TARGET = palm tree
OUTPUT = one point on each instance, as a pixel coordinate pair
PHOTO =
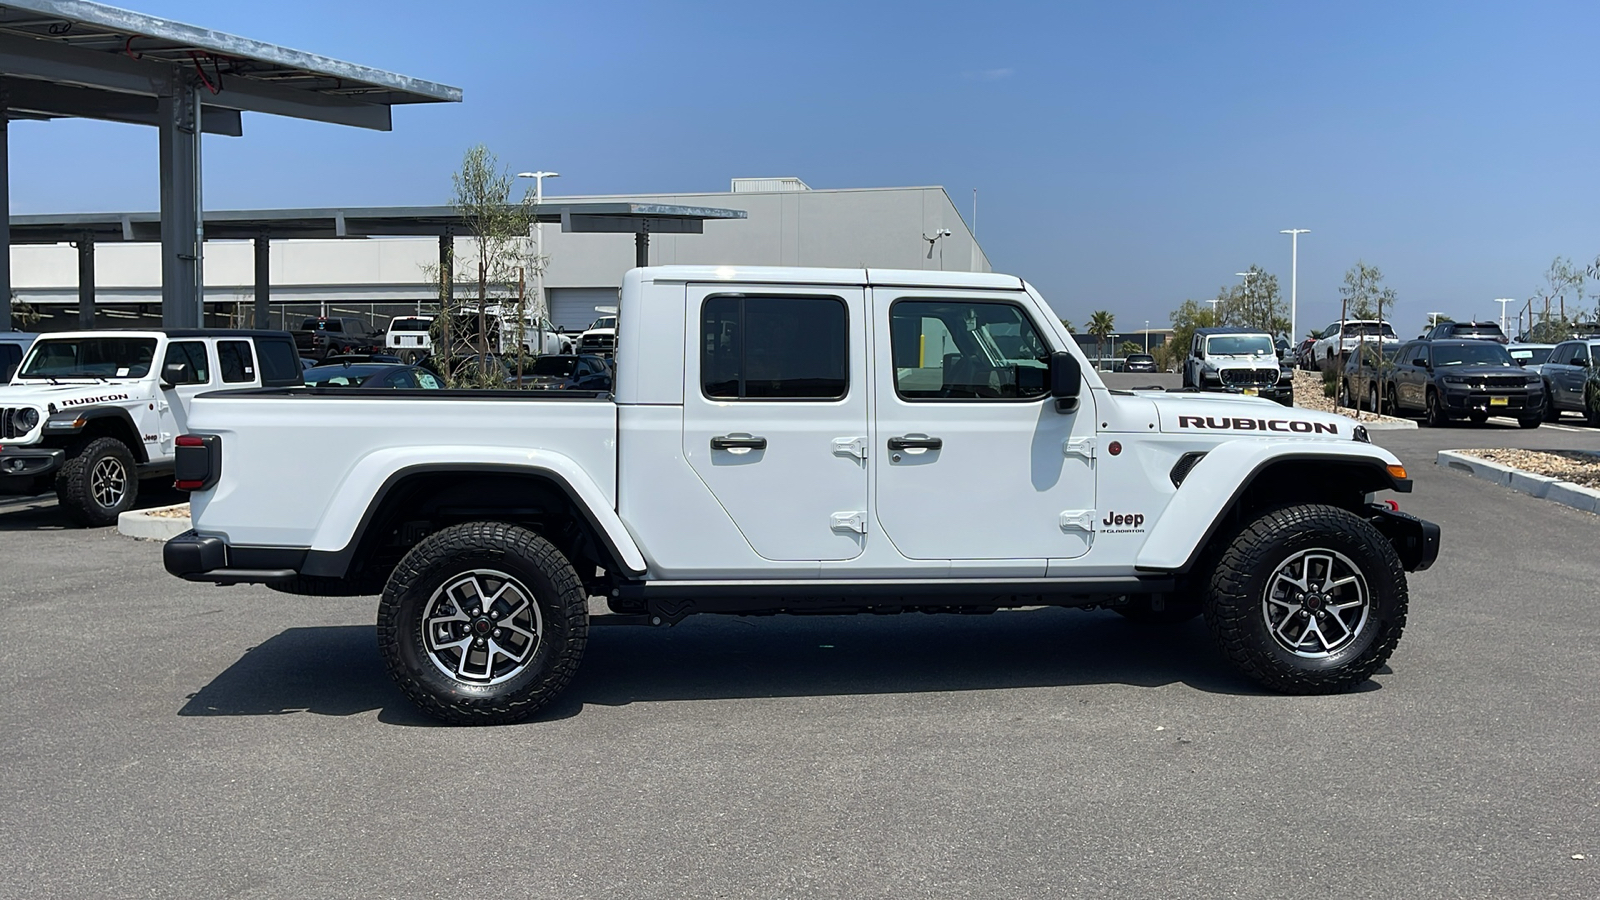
(1101, 324)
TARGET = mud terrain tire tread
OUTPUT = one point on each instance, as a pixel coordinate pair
(549, 577)
(1233, 601)
(76, 497)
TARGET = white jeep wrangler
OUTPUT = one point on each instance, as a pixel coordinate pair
(91, 412)
(804, 441)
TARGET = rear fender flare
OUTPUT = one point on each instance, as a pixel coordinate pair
(362, 492)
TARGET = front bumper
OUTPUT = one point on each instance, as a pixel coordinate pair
(1415, 540)
(1492, 402)
(30, 462)
(195, 557)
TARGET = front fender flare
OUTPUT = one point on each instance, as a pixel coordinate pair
(1216, 483)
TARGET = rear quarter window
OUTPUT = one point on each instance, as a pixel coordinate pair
(280, 362)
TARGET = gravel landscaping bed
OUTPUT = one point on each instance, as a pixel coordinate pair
(181, 511)
(1308, 395)
(1575, 466)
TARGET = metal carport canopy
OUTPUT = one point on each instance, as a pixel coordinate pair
(262, 225)
(76, 59)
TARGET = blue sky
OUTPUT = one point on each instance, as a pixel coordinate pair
(1128, 155)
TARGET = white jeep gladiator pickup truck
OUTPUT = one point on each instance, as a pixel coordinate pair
(804, 441)
(91, 412)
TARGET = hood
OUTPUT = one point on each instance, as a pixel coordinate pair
(66, 396)
(1478, 371)
(1237, 414)
(1242, 360)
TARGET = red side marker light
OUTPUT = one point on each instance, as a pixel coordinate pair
(1114, 448)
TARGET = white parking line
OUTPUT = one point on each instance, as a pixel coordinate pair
(1508, 421)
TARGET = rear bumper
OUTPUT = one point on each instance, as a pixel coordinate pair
(205, 558)
(30, 462)
(1415, 540)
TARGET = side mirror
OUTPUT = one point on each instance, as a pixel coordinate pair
(1066, 380)
(173, 374)
(1420, 362)
(561, 329)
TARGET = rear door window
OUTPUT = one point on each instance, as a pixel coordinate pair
(236, 362)
(774, 348)
(192, 353)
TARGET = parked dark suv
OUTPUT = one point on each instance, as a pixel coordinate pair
(1472, 379)
(1573, 380)
(1466, 331)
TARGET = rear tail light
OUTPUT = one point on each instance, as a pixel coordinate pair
(198, 462)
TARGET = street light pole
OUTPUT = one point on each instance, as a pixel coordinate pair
(1503, 301)
(1146, 335)
(1294, 278)
(1433, 318)
(1245, 295)
(539, 306)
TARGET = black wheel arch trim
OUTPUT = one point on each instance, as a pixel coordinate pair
(337, 563)
(94, 413)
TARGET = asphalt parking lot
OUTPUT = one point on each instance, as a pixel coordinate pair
(169, 739)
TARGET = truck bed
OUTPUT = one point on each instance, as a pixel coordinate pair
(297, 496)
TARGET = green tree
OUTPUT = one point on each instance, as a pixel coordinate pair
(1256, 303)
(1129, 348)
(1101, 325)
(1067, 324)
(1563, 281)
(1363, 293)
(491, 271)
(1185, 319)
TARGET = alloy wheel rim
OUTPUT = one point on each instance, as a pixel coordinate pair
(1316, 603)
(482, 627)
(108, 482)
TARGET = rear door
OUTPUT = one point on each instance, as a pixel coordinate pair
(973, 461)
(174, 404)
(775, 414)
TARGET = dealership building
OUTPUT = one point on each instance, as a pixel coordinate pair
(785, 223)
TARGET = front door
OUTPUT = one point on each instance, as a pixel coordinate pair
(775, 414)
(973, 460)
(174, 402)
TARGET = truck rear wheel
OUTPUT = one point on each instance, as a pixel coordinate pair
(483, 623)
(1308, 600)
(98, 483)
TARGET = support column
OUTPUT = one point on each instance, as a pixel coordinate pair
(641, 249)
(5, 211)
(85, 281)
(263, 317)
(182, 234)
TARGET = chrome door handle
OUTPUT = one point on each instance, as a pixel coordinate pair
(738, 442)
(910, 442)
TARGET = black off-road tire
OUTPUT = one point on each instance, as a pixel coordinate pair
(1175, 610)
(83, 481)
(537, 568)
(1344, 398)
(1236, 599)
(1394, 401)
(1533, 422)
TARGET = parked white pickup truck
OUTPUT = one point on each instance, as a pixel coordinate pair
(90, 412)
(804, 440)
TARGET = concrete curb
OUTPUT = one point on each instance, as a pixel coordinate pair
(139, 523)
(1543, 486)
(1396, 425)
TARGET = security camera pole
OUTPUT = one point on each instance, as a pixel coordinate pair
(937, 236)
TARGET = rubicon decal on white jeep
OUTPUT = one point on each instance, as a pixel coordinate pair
(1294, 426)
(90, 401)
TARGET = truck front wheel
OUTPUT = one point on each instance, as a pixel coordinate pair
(98, 483)
(483, 623)
(1308, 600)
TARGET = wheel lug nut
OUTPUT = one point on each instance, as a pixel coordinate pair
(497, 632)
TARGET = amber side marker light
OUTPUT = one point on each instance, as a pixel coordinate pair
(1397, 471)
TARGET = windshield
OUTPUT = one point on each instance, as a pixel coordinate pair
(605, 322)
(408, 324)
(1477, 331)
(1240, 345)
(90, 357)
(1368, 329)
(1477, 354)
(1531, 356)
(559, 366)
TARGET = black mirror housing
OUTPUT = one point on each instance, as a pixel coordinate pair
(175, 373)
(1066, 380)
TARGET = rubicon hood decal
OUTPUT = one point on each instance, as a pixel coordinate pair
(90, 401)
(1238, 423)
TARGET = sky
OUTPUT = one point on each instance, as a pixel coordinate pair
(1127, 155)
